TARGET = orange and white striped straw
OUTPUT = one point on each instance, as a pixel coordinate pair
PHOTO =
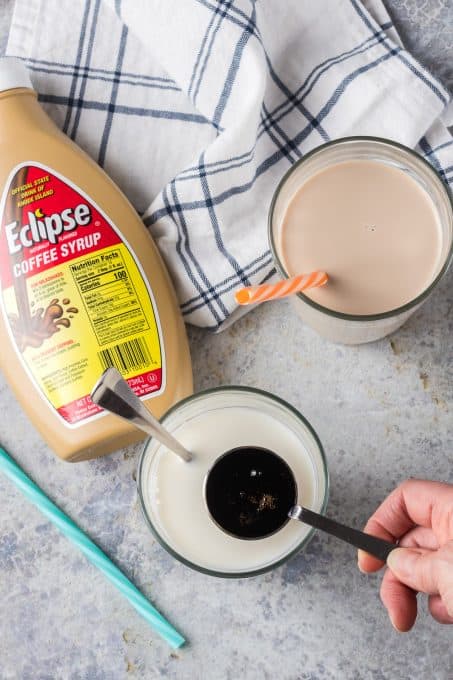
(281, 289)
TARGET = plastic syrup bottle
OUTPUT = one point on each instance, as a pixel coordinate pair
(83, 286)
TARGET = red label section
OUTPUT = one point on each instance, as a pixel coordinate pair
(83, 408)
(69, 323)
(47, 223)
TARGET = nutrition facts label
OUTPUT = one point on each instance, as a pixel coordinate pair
(109, 297)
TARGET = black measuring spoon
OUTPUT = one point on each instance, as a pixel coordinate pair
(248, 492)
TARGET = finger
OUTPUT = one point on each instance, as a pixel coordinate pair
(419, 537)
(429, 571)
(367, 563)
(400, 602)
(389, 522)
(438, 609)
(414, 502)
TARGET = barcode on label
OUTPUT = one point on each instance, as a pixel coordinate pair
(126, 355)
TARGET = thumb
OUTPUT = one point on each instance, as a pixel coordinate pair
(428, 571)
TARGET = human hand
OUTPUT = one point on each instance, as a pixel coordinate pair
(419, 514)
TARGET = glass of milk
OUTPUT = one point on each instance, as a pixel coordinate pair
(173, 493)
(378, 219)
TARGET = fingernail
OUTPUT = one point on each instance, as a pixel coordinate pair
(392, 621)
(359, 552)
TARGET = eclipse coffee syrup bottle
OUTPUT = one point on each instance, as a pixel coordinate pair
(83, 286)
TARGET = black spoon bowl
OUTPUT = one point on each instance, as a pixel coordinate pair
(248, 492)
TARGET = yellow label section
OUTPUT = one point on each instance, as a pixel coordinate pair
(87, 314)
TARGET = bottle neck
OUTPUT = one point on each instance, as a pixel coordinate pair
(19, 108)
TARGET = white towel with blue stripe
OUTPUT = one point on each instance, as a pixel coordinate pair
(196, 108)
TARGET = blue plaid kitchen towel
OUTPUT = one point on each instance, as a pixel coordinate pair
(196, 108)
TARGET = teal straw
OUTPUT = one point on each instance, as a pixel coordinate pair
(90, 550)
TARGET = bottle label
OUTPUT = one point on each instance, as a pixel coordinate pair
(73, 295)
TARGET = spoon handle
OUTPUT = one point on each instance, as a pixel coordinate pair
(112, 393)
(370, 544)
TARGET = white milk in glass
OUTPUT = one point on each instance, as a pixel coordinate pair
(210, 424)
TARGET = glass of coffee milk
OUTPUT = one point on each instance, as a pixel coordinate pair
(225, 513)
(377, 218)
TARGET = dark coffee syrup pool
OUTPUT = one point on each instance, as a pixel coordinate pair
(249, 492)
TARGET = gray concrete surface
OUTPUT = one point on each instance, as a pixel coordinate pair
(383, 413)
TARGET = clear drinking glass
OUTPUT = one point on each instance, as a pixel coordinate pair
(171, 491)
(350, 328)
